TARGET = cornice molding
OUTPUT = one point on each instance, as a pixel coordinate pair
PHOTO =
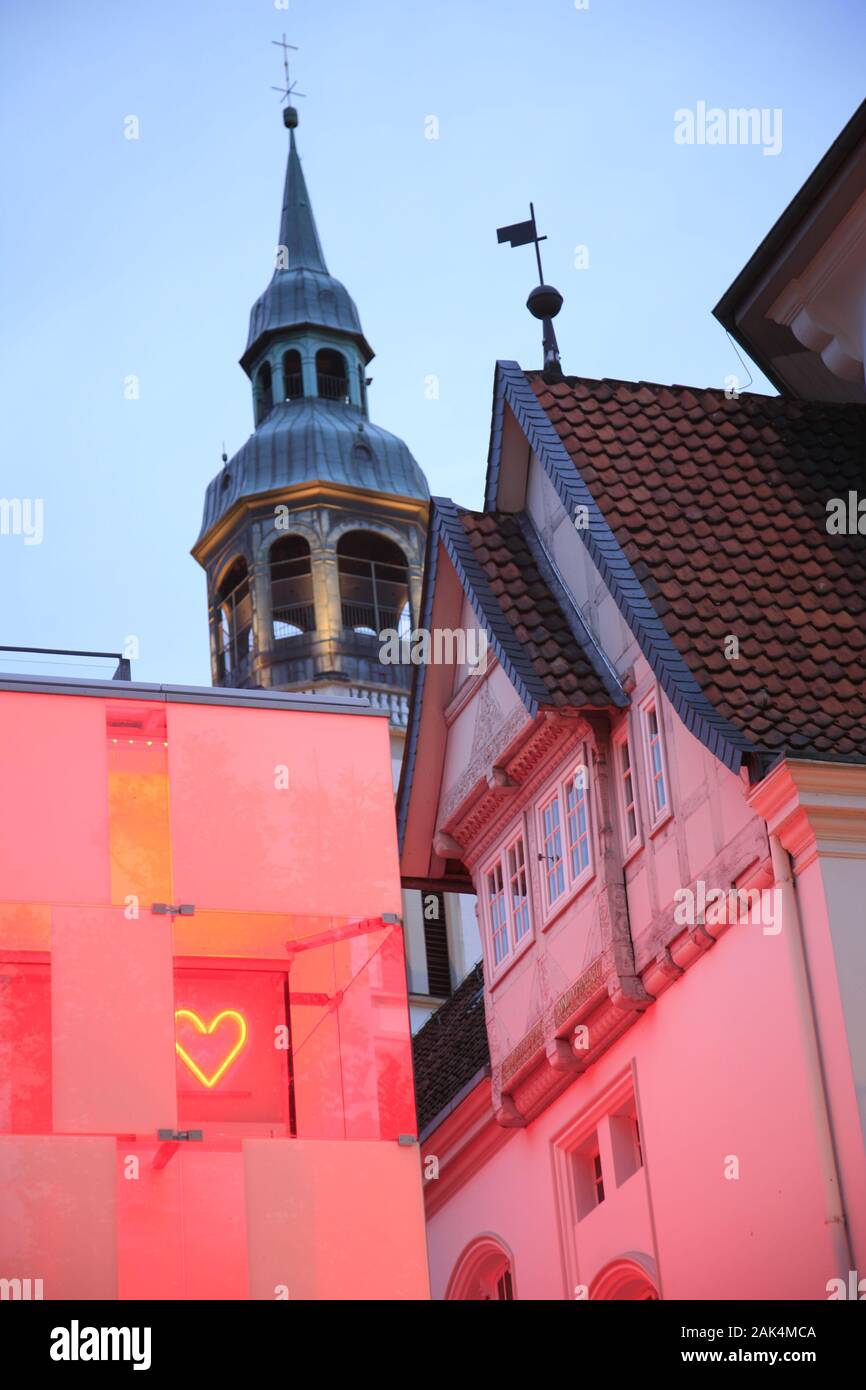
(307, 494)
(814, 808)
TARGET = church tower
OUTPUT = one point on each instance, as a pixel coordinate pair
(313, 534)
(313, 537)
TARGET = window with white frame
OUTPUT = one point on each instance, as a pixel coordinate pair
(551, 849)
(518, 891)
(577, 822)
(656, 762)
(507, 889)
(565, 835)
(627, 790)
(498, 913)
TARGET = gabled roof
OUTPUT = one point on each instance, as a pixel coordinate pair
(451, 1049)
(718, 508)
(533, 628)
(537, 634)
(818, 209)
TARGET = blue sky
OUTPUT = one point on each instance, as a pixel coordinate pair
(143, 257)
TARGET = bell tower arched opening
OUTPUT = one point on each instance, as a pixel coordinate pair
(292, 606)
(374, 585)
(234, 623)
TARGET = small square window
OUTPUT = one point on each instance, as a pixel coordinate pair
(597, 1179)
(625, 1141)
(589, 1176)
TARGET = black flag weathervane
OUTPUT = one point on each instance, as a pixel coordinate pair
(544, 301)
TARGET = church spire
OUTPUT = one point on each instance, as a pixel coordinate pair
(304, 306)
(298, 232)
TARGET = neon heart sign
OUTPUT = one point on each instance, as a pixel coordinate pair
(207, 1030)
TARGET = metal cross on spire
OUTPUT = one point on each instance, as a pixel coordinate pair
(289, 90)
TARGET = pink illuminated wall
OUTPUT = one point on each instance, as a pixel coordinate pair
(270, 1015)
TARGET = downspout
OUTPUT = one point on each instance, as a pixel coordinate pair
(627, 990)
(834, 1199)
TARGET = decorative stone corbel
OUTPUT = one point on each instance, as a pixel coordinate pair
(508, 1115)
(498, 777)
(667, 965)
(560, 1055)
(446, 846)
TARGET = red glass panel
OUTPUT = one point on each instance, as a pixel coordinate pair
(25, 1049)
(232, 1040)
(282, 811)
(59, 1215)
(53, 812)
(112, 1004)
(315, 1225)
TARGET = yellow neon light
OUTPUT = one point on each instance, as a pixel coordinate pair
(224, 1066)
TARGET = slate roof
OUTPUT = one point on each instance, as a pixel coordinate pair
(534, 614)
(303, 291)
(721, 506)
(314, 440)
(450, 1049)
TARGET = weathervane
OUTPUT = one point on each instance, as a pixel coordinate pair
(288, 91)
(544, 301)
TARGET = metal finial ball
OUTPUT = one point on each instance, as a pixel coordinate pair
(290, 117)
(544, 302)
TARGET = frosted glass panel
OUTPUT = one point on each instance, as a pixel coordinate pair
(54, 808)
(112, 1007)
(315, 1220)
(283, 811)
(59, 1214)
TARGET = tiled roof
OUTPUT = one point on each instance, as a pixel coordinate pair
(534, 614)
(451, 1048)
(721, 506)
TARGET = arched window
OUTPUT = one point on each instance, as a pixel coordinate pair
(331, 375)
(234, 618)
(484, 1273)
(630, 1279)
(264, 392)
(374, 584)
(291, 588)
(293, 375)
